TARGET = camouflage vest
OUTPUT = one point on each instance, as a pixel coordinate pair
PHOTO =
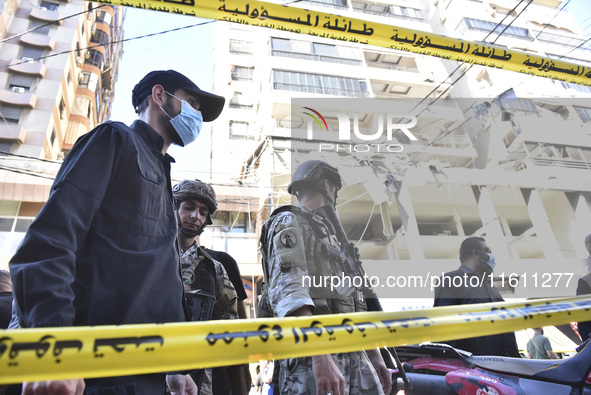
(325, 302)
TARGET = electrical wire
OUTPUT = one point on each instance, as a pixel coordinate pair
(113, 42)
(462, 63)
(472, 65)
(50, 23)
(551, 20)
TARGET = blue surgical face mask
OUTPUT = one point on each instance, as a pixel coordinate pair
(187, 123)
(490, 262)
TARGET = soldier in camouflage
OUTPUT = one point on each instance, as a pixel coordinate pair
(291, 246)
(210, 293)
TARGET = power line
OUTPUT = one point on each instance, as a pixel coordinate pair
(462, 63)
(555, 15)
(112, 42)
(50, 23)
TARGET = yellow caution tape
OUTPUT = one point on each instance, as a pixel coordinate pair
(321, 24)
(61, 353)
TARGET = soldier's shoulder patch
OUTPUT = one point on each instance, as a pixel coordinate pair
(288, 239)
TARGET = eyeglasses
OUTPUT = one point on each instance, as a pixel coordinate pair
(487, 250)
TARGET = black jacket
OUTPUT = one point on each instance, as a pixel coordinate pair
(503, 344)
(103, 248)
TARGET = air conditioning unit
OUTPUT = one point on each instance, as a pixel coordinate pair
(79, 61)
(26, 59)
(18, 89)
(80, 77)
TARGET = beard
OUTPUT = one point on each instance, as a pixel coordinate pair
(171, 131)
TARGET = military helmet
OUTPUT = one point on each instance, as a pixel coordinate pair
(196, 189)
(311, 172)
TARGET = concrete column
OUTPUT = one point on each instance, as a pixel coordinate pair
(541, 223)
(458, 222)
(582, 224)
(388, 230)
(409, 221)
(495, 238)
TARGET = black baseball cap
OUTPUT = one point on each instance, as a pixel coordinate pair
(210, 105)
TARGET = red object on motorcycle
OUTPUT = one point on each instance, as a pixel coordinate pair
(480, 382)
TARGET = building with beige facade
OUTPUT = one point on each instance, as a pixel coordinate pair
(499, 154)
(58, 66)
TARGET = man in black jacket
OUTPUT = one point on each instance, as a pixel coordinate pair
(102, 251)
(469, 284)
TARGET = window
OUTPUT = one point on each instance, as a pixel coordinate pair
(316, 83)
(100, 37)
(48, 5)
(560, 39)
(20, 83)
(104, 17)
(584, 113)
(52, 138)
(241, 130)
(240, 73)
(242, 47)
(526, 105)
(406, 13)
(94, 58)
(42, 27)
(400, 89)
(62, 108)
(5, 147)
(299, 49)
(11, 114)
(486, 26)
(31, 53)
(280, 44)
(87, 80)
(83, 79)
(325, 49)
(577, 87)
(239, 100)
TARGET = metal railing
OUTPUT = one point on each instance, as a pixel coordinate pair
(388, 14)
(322, 3)
(393, 66)
(311, 56)
(570, 164)
(319, 90)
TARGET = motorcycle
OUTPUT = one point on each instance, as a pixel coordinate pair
(443, 370)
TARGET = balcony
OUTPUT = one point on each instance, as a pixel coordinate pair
(309, 56)
(38, 40)
(331, 4)
(319, 90)
(557, 162)
(30, 67)
(390, 15)
(45, 15)
(393, 66)
(12, 132)
(25, 99)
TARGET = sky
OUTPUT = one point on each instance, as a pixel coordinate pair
(190, 51)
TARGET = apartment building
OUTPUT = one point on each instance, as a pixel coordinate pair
(58, 67)
(499, 154)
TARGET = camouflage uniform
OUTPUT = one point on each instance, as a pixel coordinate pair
(291, 248)
(197, 265)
